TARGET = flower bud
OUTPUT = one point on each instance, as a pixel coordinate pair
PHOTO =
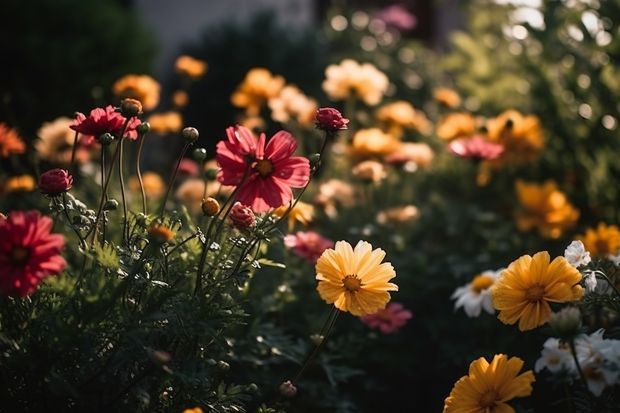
(210, 206)
(288, 389)
(315, 160)
(190, 134)
(131, 107)
(160, 233)
(566, 323)
(55, 182)
(222, 365)
(211, 174)
(199, 154)
(242, 216)
(330, 120)
(106, 139)
(110, 205)
(143, 128)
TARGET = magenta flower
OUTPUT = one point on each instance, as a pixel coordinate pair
(264, 172)
(309, 245)
(101, 121)
(55, 182)
(330, 120)
(389, 319)
(28, 252)
(475, 147)
(397, 16)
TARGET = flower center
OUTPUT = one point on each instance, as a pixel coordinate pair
(535, 293)
(602, 246)
(264, 167)
(489, 399)
(19, 255)
(352, 283)
(481, 282)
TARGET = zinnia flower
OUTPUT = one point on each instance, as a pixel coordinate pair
(101, 121)
(264, 171)
(475, 147)
(529, 284)
(55, 182)
(388, 320)
(355, 280)
(28, 252)
(602, 241)
(10, 142)
(309, 245)
(489, 386)
(476, 295)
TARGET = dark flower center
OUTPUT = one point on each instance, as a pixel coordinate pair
(352, 283)
(264, 167)
(19, 255)
(535, 293)
(489, 399)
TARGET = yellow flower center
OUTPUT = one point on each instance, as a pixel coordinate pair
(19, 255)
(481, 282)
(264, 167)
(535, 293)
(352, 283)
(488, 399)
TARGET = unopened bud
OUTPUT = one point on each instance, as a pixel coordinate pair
(106, 139)
(110, 205)
(199, 154)
(566, 323)
(288, 389)
(131, 107)
(143, 128)
(210, 206)
(190, 134)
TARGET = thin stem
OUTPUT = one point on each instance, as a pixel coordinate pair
(73, 153)
(122, 185)
(139, 174)
(609, 282)
(174, 176)
(582, 376)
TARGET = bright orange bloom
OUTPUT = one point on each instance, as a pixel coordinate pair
(141, 87)
(455, 125)
(258, 86)
(601, 241)
(166, 122)
(447, 97)
(373, 142)
(191, 67)
(18, 183)
(401, 115)
(520, 135)
(10, 142)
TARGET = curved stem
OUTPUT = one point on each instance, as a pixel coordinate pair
(172, 179)
(139, 174)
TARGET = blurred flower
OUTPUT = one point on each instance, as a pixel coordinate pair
(576, 254)
(455, 125)
(10, 141)
(417, 153)
(55, 182)
(330, 120)
(599, 359)
(401, 115)
(388, 320)
(189, 167)
(529, 284)
(602, 241)
(566, 323)
(258, 86)
(489, 386)
(544, 207)
(355, 280)
(192, 191)
(333, 194)
(447, 97)
(398, 215)
(370, 171)
(29, 252)
(242, 216)
(287, 389)
(351, 78)
(191, 67)
(520, 135)
(475, 147)
(291, 103)
(476, 295)
(160, 233)
(180, 98)
(141, 87)
(165, 122)
(373, 142)
(301, 212)
(154, 186)
(55, 142)
(555, 357)
(101, 121)
(308, 244)
(19, 183)
(397, 16)
(193, 410)
(263, 172)
(130, 107)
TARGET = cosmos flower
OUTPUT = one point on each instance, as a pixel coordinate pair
(141, 87)
(258, 86)
(308, 244)
(350, 78)
(475, 147)
(602, 241)
(476, 295)
(101, 121)
(388, 320)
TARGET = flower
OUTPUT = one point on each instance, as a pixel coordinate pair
(141, 87)
(351, 78)
(476, 295)
(410, 155)
(489, 386)
(153, 183)
(55, 182)
(55, 142)
(529, 284)
(599, 359)
(29, 252)
(369, 171)
(258, 86)
(301, 212)
(398, 17)
(193, 410)
(330, 120)
(544, 207)
(401, 115)
(447, 97)
(166, 122)
(242, 216)
(335, 193)
(101, 121)
(602, 241)
(291, 103)
(180, 99)
(555, 357)
(309, 245)
(10, 141)
(455, 125)
(190, 67)
(388, 320)
(263, 172)
(576, 254)
(355, 280)
(19, 183)
(475, 147)
(520, 135)
(373, 142)
(160, 233)
(398, 215)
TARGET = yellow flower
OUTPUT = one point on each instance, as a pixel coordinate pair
(521, 136)
(355, 280)
(370, 171)
(455, 125)
(19, 183)
(373, 142)
(447, 97)
(351, 78)
(398, 215)
(302, 212)
(489, 386)
(165, 122)
(293, 103)
(258, 86)
(191, 67)
(546, 208)
(141, 87)
(601, 241)
(524, 290)
(401, 115)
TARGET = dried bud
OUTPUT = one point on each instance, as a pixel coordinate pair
(330, 120)
(242, 216)
(190, 134)
(210, 206)
(131, 107)
(566, 323)
(55, 182)
(288, 389)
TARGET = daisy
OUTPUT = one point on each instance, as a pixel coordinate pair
(529, 284)
(355, 280)
(263, 172)
(476, 295)
(489, 386)
(577, 255)
(555, 357)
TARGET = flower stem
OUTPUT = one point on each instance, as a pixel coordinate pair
(139, 174)
(172, 179)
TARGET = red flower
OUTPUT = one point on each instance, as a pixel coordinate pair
(309, 245)
(330, 120)
(242, 216)
(28, 252)
(101, 121)
(475, 147)
(388, 320)
(263, 172)
(55, 182)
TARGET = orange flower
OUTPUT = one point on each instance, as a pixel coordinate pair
(302, 212)
(401, 115)
(191, 67)
(154, 186)
(370, 171)
(19, 183)
(447, 97)
(455, 125)
(350, 78)
(140, 87)
(10, 142)
(373, 142)
(544, 207)
(601, 241)
(420, 154)
(55, 142)
(258, 86)
(293, 103)
(520, 135)
(180, 98)
(166, 122)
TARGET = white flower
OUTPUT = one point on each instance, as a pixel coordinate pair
(576, 254)
(599, 360)
(555, 357)
(589, 279)
(476, 295)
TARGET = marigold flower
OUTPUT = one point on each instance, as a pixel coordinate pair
(388, 320)
(455, 125)
(191, 67)
(166, 122)
(101, 121)
(308, 244)
(355, 280)
(264, 172)
(362, 80)
(258, 86)
(141, 87)
(19, 183)
(602, 241)
(242, 216)
(520, 135)
(489, 386)
(330, 120)
(475, 147)
(529, 284)
(292, 103)
(476, 295)
(29, 252)
(55, 182)
(447, 97)
(55, 143)
(10, 141)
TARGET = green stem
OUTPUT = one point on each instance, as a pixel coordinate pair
(139, 174)
(173, 178)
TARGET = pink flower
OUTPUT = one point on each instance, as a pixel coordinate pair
(398, 17)
(475, 147)
(189, 167)
(28, 252)
(55, 182)
(309, 245)
(242, 216)
(330, 120)
(388, 320)
(101, 121)
(264, 172)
